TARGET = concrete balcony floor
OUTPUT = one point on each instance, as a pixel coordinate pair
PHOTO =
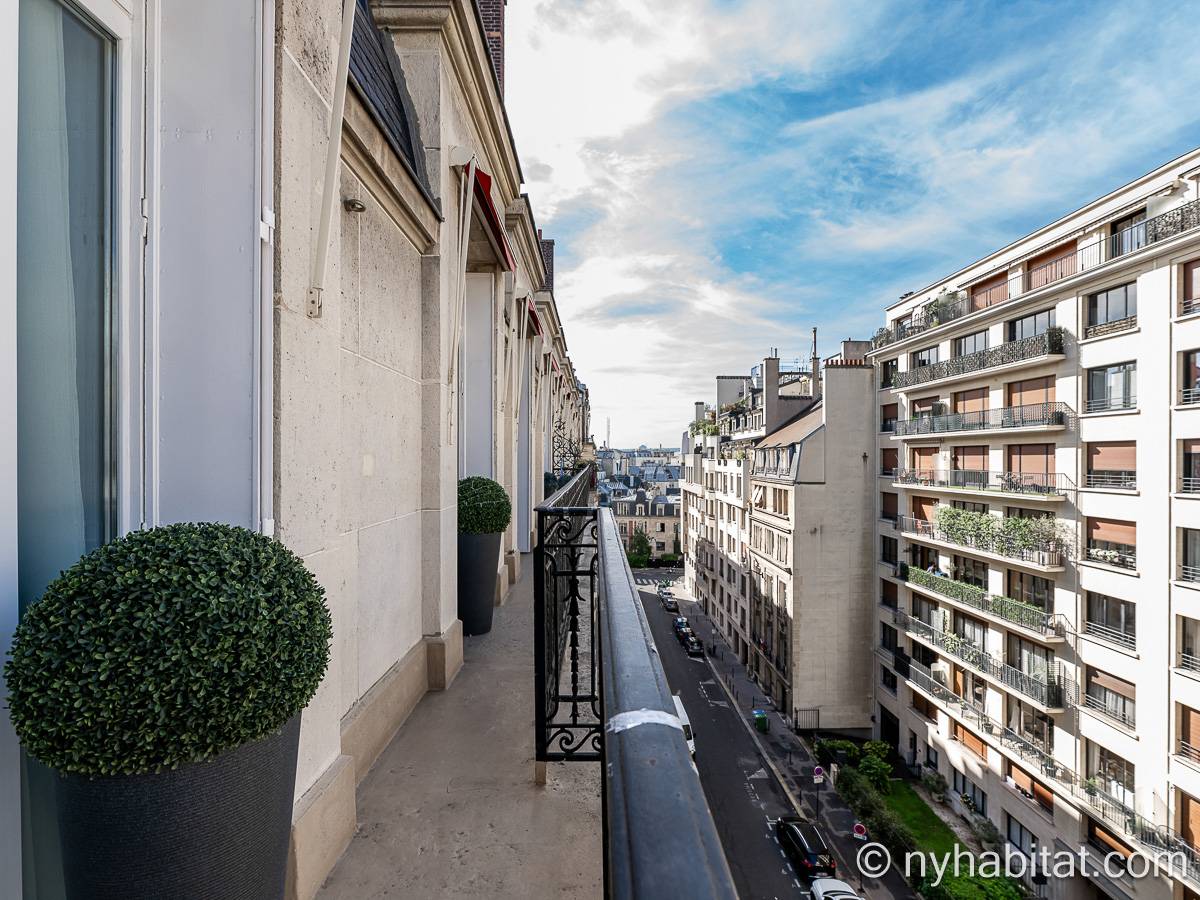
(450, 809)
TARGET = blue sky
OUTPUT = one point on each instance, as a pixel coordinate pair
(723, 175)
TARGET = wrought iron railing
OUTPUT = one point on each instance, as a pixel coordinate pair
(1028, 483)
(953, 306)
(1015, 611)
(1053, 691)
(1049, 342)
(1113, 327)
(1048, 554)
(1126, 639)
(602, 696)
(1125, 481)
(1029, 416)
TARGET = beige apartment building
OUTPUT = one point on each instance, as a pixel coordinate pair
(1038, 539)
(777, 513)
(654, 515)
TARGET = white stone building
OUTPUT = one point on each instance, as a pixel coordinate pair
(1038, 533)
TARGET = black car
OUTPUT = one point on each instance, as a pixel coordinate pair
(805, 847)
(693, 647)
(685, 634)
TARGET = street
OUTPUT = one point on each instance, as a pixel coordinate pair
(744, 796)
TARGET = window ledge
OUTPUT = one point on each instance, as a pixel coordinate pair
(1189, 585)
(1101, 413)
(1120, 492)
(1185, 495)
(1108, 337)
(1110, 645)
(1180, 407)
(1113, 723)
(1104, 567)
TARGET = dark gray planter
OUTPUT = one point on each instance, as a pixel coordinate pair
(478, 562)
(216, 830)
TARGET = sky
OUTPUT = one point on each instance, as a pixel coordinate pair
(721, 176)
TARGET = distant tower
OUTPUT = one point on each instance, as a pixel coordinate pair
(815, 363)
(607, 431)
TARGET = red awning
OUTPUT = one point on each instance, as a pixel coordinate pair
(483, 193)
(533, 316)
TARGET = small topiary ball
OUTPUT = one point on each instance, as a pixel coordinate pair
(483, 507)
(164, 647)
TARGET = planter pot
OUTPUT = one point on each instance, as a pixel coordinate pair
(217, 829)
(478, 561)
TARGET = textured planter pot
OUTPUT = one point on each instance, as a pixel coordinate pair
(217, 829)
(478, 562)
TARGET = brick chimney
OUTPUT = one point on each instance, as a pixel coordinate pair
(547, 245)
(492, 14)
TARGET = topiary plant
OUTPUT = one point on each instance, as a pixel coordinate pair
(164, 647)
(483, 507)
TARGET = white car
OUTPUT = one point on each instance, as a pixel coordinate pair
(832, 889)
(687, 725)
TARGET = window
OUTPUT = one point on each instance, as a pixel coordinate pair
(1112, 464)
(1190, 378)
(889, 507)
(888, 679)
(1034, 790)
(970, 630)
(921, 358)
(971, 343)
(887, 636)
(1032, 725)
(1112, 310)
(1114, 774)
(969, 793)
(924, 610)
(1020, 836)
(1110, 619)
(1110, 696)
(1191, 466)
(1189, 569)
(970, 506)
(659, 546)
(931, 757)
(1112, 542)
(1112, 387)
(1032, 659)
(1031, 589)
(888, 370)
(1189, 644)
(924, 706)
(888, 594)
(1191, 287)
(1031, 325)
(1127, 234)
(971, 571)
(888, 413)
(888, 552)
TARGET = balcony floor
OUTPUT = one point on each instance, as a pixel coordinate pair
(450, 809)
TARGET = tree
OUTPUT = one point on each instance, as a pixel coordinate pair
(639, 550)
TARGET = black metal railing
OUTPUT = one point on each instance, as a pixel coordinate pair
(1111, 635)
(1047, 343)
(1029, 416)
(1013, 611)
(602, 696)
(954, 305)
(1111, 556)
(1035, 484)
(1042, 553)
(1111, 403)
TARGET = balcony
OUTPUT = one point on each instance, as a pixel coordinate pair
(1126, 639)
(1042, 416)
(1114, 327)
(1111, 403)
(955, 305)
(1028, 485)
(1189, 396)
(1046, 555)
(1189, 661)
(1112, 481)
(1014, 612)
(1006, 355)
(1189, 484)
(1110, 706)
(1051, 692)
(1123, 557)
(1189, 573)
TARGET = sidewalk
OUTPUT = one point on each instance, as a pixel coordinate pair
(791, 760)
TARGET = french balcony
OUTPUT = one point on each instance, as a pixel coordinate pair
(942, 311)
(1036, 486)
(1110, 403)
(1116, 636)
(1189, 662)
(1116, 326)
(1189, 396)
(1189, 573)
(1054, 690)
(1113, 707)
(1189, 484)
(1034, 416)
(1038, 348)
(1122, 556)
(1111, 481)
(1012, 612)
(1046, 555)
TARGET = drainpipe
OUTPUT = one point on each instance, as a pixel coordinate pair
(332, 155)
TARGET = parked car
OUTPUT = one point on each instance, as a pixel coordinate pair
(805, 847)
(832, 889)
(693, 646)
(680, 622)
(685, 634)
(688, 734)
(670, 604)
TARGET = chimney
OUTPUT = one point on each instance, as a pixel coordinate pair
(815, 369)
(770, 389)
(492, 13)
(547, 259)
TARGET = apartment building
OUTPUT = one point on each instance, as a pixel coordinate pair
(184, 348)
(1038, 533)
(654, 515)
(777, 512)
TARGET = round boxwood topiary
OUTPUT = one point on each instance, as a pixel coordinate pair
(164, 647)
(483, 507)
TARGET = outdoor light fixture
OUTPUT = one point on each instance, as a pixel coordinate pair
(351, 205)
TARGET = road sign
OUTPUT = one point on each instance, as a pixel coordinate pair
(860, 831)
(818, 775)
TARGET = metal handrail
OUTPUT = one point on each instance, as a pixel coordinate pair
(1111, 327)
(1189, 485)
(1053, 483)
(1189, 396)
(1028, 416)
(1126, 481)
(943, 311)
(1189, 573)
(1124, 713)
(1111, 403)
(1045, 554)
(1016, 612)
(1189, 661)
(1119, 558)
(1112, 635)
(1048, 343)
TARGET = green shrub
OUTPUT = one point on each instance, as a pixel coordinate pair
(828, 749)
(881, 749)
(164, 647)
(858, 793)
(877, 771)
(985, 829)
(883, 824)
(935, 782)
(886, 827)
(483, 507)
(639, 550)
(966, 887)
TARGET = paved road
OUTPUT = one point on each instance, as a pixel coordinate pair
(744, 796)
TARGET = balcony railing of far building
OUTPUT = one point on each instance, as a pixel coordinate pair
(1030, 484)
(1016, 612)
(1046, 553)
(602, 697)
(955, 305)
(1031, 415)
(1048, 343)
